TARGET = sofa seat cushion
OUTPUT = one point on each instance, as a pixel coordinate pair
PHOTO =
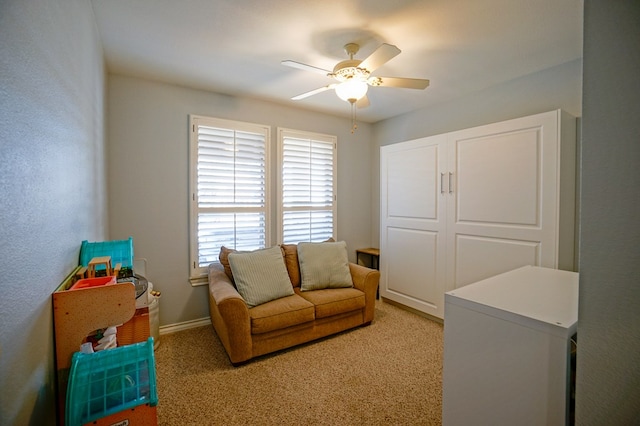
(281, 313)
(334, 301)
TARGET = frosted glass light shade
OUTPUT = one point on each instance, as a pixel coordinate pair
(351, 90)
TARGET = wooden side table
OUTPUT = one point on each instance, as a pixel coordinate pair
(374, 256)
(374, 260)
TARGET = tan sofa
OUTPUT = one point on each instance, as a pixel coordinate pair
(291, 320)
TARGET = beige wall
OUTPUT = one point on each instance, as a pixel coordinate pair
(52, 184)
(148, 176)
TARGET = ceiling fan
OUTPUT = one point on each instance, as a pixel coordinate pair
(353, 77)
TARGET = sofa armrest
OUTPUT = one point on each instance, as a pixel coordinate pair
(366, 280)
(220, 285)
(229, 315)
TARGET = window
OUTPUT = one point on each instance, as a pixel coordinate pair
(229, 187)
(307, 186)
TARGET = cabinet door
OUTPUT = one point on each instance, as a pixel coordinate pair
(502, 206)
(413, 223)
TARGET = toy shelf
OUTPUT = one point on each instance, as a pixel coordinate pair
(78, 313)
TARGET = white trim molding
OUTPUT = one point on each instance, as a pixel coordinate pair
(181, 326)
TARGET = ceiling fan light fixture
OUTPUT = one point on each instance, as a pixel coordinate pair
(352, 90)
(353, 76)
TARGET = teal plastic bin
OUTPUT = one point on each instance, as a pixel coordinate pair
(110, 381)
(121, 251)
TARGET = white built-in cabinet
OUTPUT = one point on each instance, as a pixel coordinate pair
(463, 206)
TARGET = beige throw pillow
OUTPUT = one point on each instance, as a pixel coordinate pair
(260, 275)
(324, 265)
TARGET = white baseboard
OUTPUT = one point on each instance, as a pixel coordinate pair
(174, 328)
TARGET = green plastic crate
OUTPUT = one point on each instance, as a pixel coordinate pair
(110, 381)
(121, 251)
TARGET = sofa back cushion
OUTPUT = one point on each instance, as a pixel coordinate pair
(261, 275)
(224, 261)
(324, 265)
(290, 253)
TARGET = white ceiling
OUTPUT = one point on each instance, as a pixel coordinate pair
(236, 46)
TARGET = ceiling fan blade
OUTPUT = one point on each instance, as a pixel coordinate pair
(379, 57)
(313, 92)
(363, 102)
(305, 67)
(407, 83)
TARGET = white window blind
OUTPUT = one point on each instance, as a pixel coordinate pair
(230, 189)
(307, 190)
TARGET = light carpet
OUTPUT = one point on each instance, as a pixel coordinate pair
(389, 373)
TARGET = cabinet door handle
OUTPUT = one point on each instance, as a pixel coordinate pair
(450, 179)
(442, 183)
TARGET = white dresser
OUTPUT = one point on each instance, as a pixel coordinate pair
(507, 349)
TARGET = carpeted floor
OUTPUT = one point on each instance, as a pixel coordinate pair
(389, 373)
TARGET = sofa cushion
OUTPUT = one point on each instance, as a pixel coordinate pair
(223, 257)
(324, 265)
(334, 301)
(260, 275)
(290, 253)
(224, 261)
(281, 313)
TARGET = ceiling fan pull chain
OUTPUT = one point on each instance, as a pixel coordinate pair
(353, 117)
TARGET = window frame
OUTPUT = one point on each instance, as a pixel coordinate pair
(198, 274)
(300, 134)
